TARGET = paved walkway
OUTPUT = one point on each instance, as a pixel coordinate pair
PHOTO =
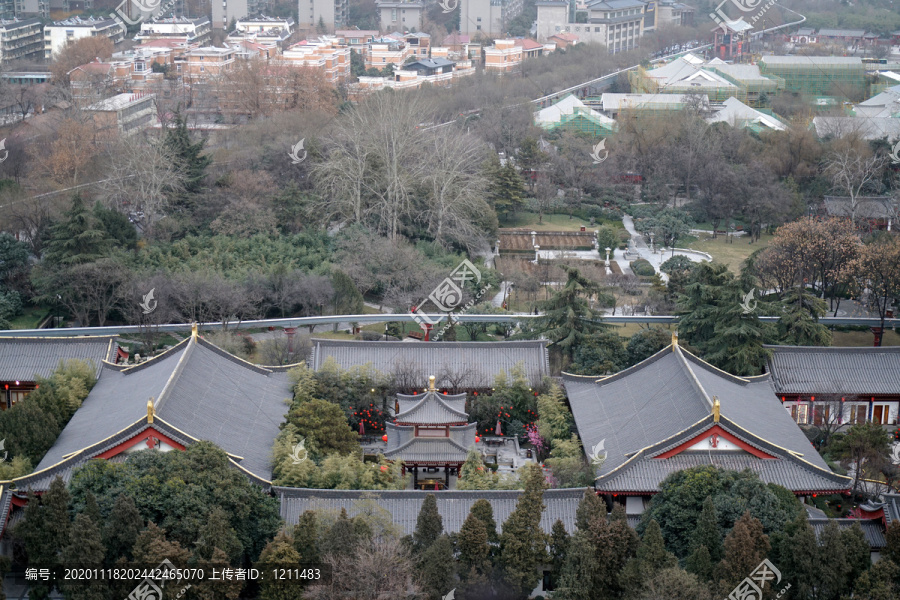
(655, 258)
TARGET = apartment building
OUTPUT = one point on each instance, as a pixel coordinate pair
(387, 51)
(21, 39)
(327, 54)
(264, 29)
(400, 15)
(223, 11)
(503, 57)
(207, 62)
(435, 71)
(329, 15)
(487, 17)
(190, 31)
(123, 114)
(60, 33)
(617, 24)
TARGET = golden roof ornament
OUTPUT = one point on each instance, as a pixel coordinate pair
(150, 411)
(716, 409)
(431, 384)
(674, 338)
(194, 331)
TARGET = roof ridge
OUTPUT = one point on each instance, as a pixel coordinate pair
(693, 376)
(176, 372)
(156, 359)
(236, 359)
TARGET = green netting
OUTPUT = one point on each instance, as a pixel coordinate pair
(818, 78)
(581, 120)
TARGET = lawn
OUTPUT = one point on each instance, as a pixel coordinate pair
(31, 318)
(732, 254)
(554, 222)
(864, 338)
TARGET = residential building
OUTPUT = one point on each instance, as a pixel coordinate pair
(60, 33)
(503, 57)
(123, 114)
(264, 30)
(326, 54)
(419, 44)
(356, 39)
(531, 48)
(674, 411)
(24, 360)
(25, 77)
(563, 40)
(488, 18)
(98, 80)
(178, 29)
(329, 15)
(403, 14)
(387, 51)
(459, 366)
(248, 48)
(617, 24)
(21, 39)
(837, 385)
(227, 10)
(209, 62)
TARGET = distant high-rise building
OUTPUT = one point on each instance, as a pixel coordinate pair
(326, 14)
(487, 17)
(225, 10)
(400, 15)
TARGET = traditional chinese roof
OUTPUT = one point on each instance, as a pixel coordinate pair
(457, 365)
(403, 506)
(662, 415)
(198, 392)
(837, 371)
(432, 408)
(872, 529)
(25, 358)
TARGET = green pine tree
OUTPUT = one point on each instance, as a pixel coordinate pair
(483, 510)
(77, 238)
(437, 568)
(279, 552)
(475, 566)
(652, 551)
(559, 545)
(857, 554)
(122, 528)
(429, 525)
(797, 554)
(341, 539)
(506, 189)
(567, 318)
(190, 161)
(590, 508)
(306, 537)
(85, 549)
(799, 324)
(708, 533)
(579, 571)
(523, 543)
(700, 563)
(92, 509)
(745, 547)
(217, 533)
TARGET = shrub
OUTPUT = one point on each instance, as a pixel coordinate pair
(642, 268)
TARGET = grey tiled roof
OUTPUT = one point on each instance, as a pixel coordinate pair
(819, 370)
(666, 400)
(891, 508)
(404, 505)
(404, 446)
(472, 364)
(21, 358)
(431, 409)
(871, 528)
(871, 207)
(199, 390)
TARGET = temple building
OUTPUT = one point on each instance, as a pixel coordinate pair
(431, 432)
(673, 411)
(25, 359)
(837, 386)
(193, 391)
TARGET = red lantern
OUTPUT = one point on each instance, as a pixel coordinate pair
(384, 438)
(477, 439)
(383, 468)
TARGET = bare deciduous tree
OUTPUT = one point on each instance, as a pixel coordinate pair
(854, 174)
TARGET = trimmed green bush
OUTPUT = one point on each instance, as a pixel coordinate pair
(642, 268)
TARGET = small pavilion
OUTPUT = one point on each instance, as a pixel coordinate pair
(430, 431)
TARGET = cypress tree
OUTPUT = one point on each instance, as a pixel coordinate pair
(429, 525)
(92, 509)
(700, 564)
(279, 552)
(523, 543)
(797, 553)
(483, 510)
(217, 533)
(652, 552)
(122, 528)
(45, 532)
(85, 549)
(745, 547)
(474, 550)
(857, 553)
(438, 569)
(580, 570)
(341, 539)
(834, 572)
(559, 545)
(306, 537)
(591, 507)
(708, 533)
(892, 537)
